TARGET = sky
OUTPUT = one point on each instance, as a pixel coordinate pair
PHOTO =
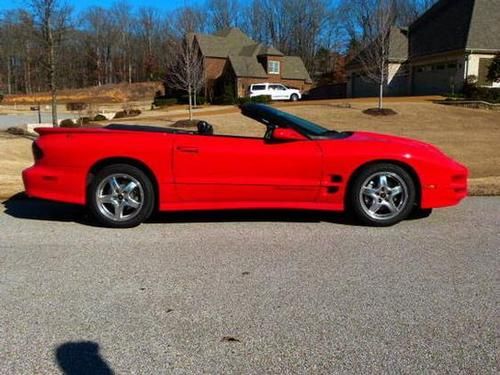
(83, 4)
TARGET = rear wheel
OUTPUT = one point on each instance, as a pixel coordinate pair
(121, 196)
(294, 97)
(382, 195)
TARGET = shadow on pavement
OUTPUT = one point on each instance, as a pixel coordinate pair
(22, 207)
(81, 358)
(298, 216)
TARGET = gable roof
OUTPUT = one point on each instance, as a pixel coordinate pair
(247, 66)
(294, 68)
(243, 53)
(398, 44)
(232, 41)
(456, 25)
(398, 48)
(484, 30)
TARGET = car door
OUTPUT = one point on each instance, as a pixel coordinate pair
(242, 169)
(283, 92)
(276, 92)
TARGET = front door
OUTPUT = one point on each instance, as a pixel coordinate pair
(240, 169)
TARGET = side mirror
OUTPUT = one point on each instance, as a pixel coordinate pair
(287, 134)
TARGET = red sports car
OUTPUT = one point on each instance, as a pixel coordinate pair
(124, 172)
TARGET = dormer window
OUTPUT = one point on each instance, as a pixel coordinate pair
(273, 67)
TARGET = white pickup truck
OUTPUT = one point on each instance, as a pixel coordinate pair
(276, 91)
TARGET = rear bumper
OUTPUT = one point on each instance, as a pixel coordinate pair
(58, 184)
(448, 190)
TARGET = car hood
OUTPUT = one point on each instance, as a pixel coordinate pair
(369, 137)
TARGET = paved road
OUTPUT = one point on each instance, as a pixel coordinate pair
(248, 293)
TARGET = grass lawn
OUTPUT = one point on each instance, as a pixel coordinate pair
(470, 136)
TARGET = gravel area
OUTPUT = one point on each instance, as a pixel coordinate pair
(248, 292)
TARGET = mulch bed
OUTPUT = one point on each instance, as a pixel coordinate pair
(380, 112)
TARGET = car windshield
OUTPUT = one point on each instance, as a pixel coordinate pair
(267, 114)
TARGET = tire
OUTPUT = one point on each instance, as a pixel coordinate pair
(382, 195)
(121, 196)
(294, 97)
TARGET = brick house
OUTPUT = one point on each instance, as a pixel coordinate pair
(230, 56)
(453, 41)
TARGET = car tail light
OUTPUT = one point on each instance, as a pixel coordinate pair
(37, 151)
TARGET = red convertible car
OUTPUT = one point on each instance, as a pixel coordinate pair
(122, 173)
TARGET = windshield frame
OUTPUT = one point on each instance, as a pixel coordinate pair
(270, 116)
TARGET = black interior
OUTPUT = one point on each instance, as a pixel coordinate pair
(203, 128)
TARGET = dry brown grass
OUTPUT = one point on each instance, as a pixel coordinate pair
(15, 155)
(116, 93)
(470, 136)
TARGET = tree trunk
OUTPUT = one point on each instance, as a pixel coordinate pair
(52, 73)
(9, 76)
(129, 72)
(381, 96)
(190, 104)
(381, 87)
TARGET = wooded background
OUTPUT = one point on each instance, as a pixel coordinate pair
(123, 43)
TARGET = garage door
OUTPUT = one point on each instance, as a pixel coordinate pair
(435, 80)
(362, 88)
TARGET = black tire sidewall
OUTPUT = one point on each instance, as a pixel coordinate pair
(355, 204)
(149, 195)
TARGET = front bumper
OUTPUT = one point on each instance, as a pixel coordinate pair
(448, 190)
(54, 183)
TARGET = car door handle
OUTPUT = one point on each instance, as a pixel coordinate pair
(191, 150)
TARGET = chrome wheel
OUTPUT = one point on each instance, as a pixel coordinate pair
(383, 195)
(119, 197)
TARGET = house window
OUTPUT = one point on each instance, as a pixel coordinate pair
(273, 67)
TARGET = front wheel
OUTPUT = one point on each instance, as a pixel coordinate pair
(121, 196)
(382, 195)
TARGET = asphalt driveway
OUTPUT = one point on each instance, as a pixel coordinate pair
(242, 292)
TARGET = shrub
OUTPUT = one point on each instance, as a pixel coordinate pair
(17, 131)
(228, 97)
(84, 120)
(1, 97)
(128, 113)
(162, 101)
(68, 123)
(265, 99)
(100, 118)
(76, 106)
(120, 114)
(487, 94)
(494, 69)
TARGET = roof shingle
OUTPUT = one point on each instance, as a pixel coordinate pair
(243, 53)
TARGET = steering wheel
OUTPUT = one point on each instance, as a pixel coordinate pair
(204, 128)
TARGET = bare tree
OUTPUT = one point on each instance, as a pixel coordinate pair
(186, 20)
(51, 20)
(357, 15)
(374, 56)
(224, 13)
(123, 23)
(186, 70)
